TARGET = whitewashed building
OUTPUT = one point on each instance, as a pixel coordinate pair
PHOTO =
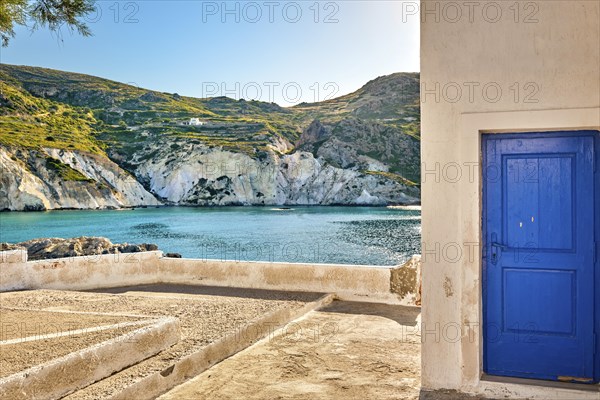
(510, 101)
(195, 122)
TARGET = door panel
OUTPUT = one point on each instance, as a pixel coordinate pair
(543, 284)
(539, 201)
(539, 266)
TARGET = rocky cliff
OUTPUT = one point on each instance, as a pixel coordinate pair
(197, 175)
(75, 141)
(49, 178)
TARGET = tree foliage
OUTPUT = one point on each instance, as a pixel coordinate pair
(53, 14)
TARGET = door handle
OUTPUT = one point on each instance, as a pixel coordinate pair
(500, 246)
(496, 248)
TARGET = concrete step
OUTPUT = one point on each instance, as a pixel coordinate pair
(84, 365)
(195, 353)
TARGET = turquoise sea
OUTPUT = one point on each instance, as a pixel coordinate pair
(347, 235)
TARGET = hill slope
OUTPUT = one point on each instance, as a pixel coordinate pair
(362, 148)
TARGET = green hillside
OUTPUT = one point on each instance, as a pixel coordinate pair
(30, 121)
(47, 108)
(391, 100)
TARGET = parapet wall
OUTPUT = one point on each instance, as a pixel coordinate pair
(78, 273)
(398, 285)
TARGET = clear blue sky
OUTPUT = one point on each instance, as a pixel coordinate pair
(197, 48)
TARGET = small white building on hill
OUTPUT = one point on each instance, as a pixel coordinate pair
(195, 122)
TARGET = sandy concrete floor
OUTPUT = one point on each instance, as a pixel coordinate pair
(206, 314)
(19, 357)
(20, 324)
(29, 337)
(344, 351)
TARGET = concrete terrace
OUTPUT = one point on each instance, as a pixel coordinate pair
(344, 350)
(106, 327)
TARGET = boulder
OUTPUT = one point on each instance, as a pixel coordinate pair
(44, 248)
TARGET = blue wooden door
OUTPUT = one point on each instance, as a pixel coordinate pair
(539, 259)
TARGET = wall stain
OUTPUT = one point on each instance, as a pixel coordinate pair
(448, 287)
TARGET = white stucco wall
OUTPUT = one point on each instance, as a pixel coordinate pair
(393, 285)
(534, 66)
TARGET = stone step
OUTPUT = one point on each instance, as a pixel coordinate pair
(196, 352)
(85, 365)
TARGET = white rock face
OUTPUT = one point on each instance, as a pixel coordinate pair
(197, 175)
(27, 183)
(189, 174)
(366, 198)
(208, 177)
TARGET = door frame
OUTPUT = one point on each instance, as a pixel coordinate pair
(468, 353)
(484, 137)
(597, 269)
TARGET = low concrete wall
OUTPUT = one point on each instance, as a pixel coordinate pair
(76, 370)
(349, 282)
(78, 273)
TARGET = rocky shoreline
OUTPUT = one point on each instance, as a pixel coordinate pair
(193, 175)
(49, 248)
(412, 206)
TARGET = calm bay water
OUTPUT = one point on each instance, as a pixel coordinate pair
(348, 235)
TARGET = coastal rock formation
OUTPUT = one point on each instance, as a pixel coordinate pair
(39, 249)
(197, 175)
(192, 175)
(51, 178)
